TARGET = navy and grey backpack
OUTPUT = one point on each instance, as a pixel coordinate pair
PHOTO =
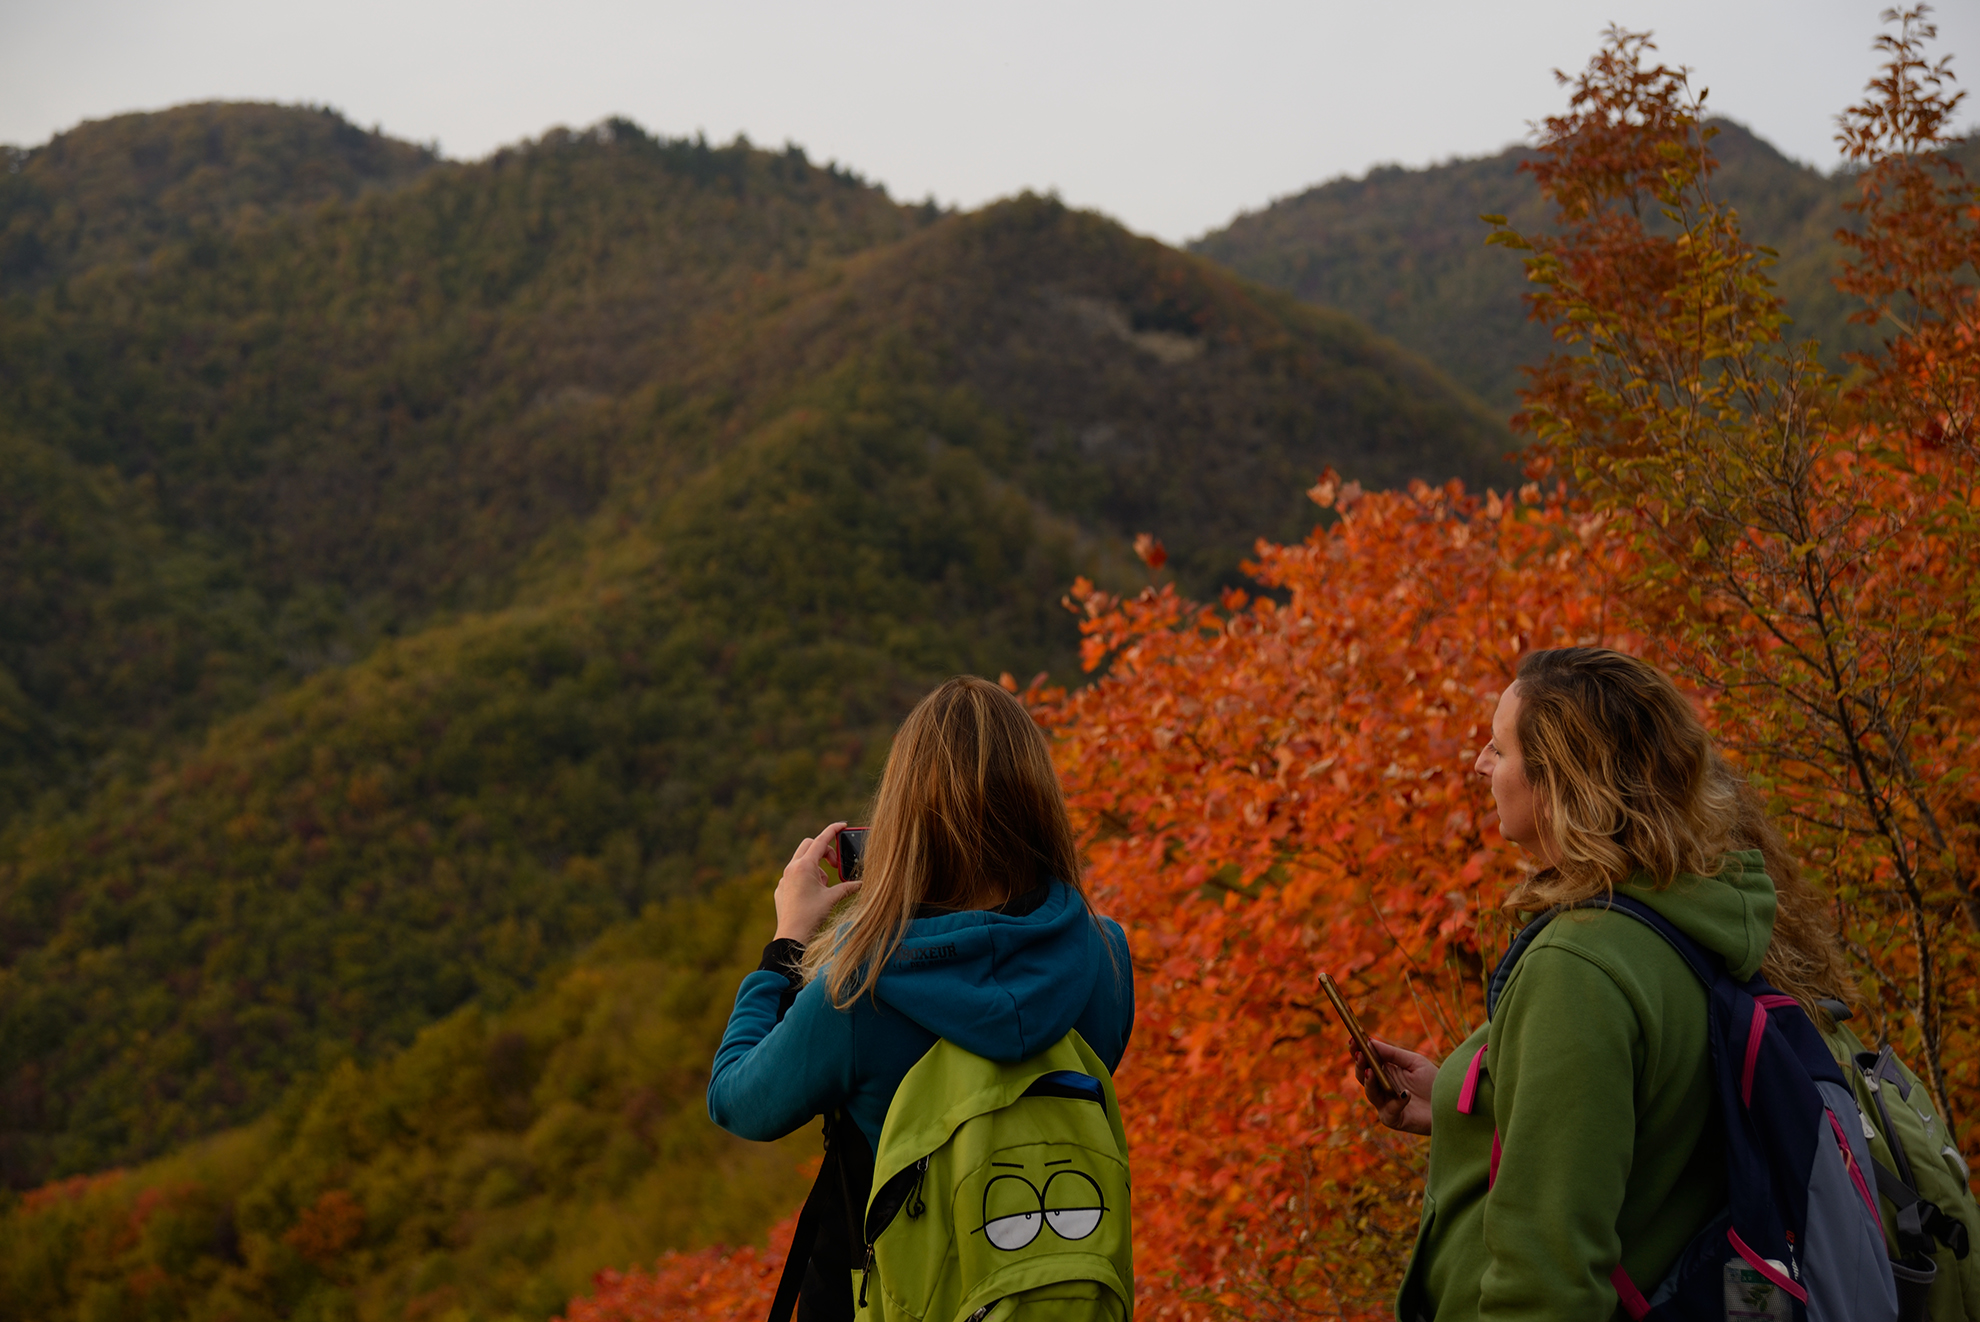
(1801, 1239)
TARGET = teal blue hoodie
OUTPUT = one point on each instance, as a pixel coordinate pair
(1003, 985)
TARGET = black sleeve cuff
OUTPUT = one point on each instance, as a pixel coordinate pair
(782, 956)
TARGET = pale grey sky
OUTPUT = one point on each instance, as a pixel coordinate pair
(1170, 116)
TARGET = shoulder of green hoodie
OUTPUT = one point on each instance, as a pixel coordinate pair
(776, 1069)
(1597, 1080)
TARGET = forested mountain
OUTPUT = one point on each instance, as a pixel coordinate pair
(272, 389)
(413, 569)
(1404, 251)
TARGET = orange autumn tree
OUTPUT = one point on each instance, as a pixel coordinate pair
(1804, 548)
(1284, 785)
(736, 1285)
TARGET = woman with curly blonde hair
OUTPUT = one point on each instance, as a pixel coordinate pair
(1574, 1133)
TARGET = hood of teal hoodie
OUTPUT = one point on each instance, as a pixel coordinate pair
(1001, 985)
(1731, 914)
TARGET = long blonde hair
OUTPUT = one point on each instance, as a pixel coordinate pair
(1626, 780)
(970, 812)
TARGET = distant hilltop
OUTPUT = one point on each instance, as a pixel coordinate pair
(1404, 251)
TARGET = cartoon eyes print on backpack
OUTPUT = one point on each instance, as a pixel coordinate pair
(1015, 1209)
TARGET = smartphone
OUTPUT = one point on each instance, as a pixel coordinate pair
(852, 851)
(1384, 1078)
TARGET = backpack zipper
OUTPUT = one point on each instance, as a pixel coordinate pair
(911, 1202)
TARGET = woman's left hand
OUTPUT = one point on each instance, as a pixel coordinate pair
(805, 894)
(1415, 1074)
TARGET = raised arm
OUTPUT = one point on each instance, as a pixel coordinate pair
(777, 1069)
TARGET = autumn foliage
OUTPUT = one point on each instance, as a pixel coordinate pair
(711, 1283)
(1282, 786)
(1806, 546)
(327, 1228)
(1281, 783)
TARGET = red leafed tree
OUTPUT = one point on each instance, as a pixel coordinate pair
(1806, 548)
(714, 1283)
(1282, 786)
(327, 1228)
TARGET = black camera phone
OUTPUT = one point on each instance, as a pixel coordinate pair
(852, 851)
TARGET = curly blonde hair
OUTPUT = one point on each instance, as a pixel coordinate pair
(1626, 781)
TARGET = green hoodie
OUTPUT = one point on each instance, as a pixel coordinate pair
(1597, 1078)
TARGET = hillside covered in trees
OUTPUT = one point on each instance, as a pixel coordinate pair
(413, 572)
(1403, 250)
(491, 1167)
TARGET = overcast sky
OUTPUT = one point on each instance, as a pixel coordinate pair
(1170, 116)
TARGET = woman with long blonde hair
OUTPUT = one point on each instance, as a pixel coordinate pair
(970, 924)
(1573, 1141)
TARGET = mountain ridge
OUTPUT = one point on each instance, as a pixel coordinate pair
(1403, 250)
(215, 165)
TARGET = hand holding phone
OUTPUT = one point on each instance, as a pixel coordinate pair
(805, 893)
(1384, 1077)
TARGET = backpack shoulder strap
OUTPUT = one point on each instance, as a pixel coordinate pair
(1921, 1224)
(1705, 966)
(802, 1240)
(1502, 971)
(828, 1224)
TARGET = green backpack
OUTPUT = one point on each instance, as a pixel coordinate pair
(1930, 1218)
(1000, 1192)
